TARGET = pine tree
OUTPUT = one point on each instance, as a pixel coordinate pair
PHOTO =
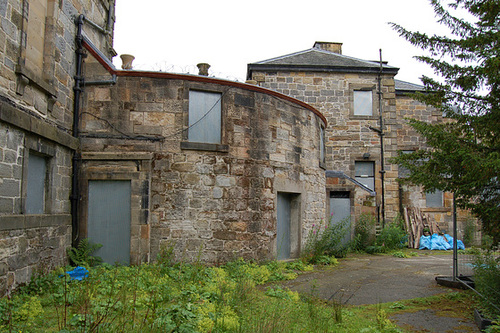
(464, 154)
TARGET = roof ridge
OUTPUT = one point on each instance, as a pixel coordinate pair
(371, 62)
(281, 57)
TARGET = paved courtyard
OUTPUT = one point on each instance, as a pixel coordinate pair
(372, 279)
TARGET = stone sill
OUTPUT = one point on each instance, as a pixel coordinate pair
(20, 222)
(117, 156)
(436, 210)
(356, 117)
(35, 80)
(204, 146)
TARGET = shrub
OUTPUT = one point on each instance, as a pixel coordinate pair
(487, 282)
(82, 255)
(364, 232)
(392, 237)
(327, 240)
(469, 232)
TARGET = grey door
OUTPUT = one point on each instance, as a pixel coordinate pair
(284, 225)
(109, 219)
(340, 209)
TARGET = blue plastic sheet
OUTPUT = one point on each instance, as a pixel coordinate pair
(79, 273)
(438, 242)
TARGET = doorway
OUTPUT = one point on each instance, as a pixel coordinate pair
(288, 226)
(109, 219)
(340, 209)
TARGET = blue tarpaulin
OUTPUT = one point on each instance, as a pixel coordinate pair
(79, 273)
(438, 242)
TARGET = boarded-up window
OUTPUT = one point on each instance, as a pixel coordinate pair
(434, 199)
(365, 173)
(363, 103)
(403, 172)
(322, 145)
(204, 117)
(36, 184)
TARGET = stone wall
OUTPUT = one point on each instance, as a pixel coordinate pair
(37, 69)
(32, 243)
(410, 140)
(46, 91)
(348, 137)
(212, 202)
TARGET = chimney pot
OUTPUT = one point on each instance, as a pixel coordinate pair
(127, 61)
(203, 68)
(329, 46)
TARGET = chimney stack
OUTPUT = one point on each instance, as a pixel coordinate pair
(203, 69)
(329, 46)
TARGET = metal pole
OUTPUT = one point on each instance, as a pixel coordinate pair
(381, 134)
(455, 247)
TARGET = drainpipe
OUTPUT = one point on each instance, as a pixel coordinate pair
(381, 134)
(78, 87)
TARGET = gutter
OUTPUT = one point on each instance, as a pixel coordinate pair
(103, 60)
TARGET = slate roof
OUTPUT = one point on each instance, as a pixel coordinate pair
(407, 87)
(319, 60)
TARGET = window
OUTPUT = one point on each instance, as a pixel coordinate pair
(403, 172)
(204, 117)
(365, 174)
(322, 145)
(36, 184)
(363, 103)
(434, 199)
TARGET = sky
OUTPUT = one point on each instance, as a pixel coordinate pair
(174, 36)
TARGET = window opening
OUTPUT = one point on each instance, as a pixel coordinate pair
(363, 104)
(36, 184)
(365, 173)
(204, 117)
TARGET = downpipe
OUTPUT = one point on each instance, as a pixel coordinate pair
(78, 88)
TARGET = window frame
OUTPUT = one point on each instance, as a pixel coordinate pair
(33, 191)
(358, 106)
(354, 87)
(434, 195)
(186, 142)
(322, 147)
(41, 148)
(361, 178)
(402, 171)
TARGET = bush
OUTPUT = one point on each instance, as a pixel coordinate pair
(487, 282)
(469, 232)
(392, 237)
(327, 240)
(364, 232)
(82, 255)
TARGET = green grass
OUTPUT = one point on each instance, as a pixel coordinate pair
(185, 298)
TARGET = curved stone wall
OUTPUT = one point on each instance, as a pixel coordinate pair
(214, 202)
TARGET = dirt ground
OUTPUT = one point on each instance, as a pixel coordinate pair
(373, 279)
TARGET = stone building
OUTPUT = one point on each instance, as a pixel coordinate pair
(37, 143)
(146, 161)
(213, 168)
(355, 96)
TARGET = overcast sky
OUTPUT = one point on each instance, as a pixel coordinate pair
(174, 36)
